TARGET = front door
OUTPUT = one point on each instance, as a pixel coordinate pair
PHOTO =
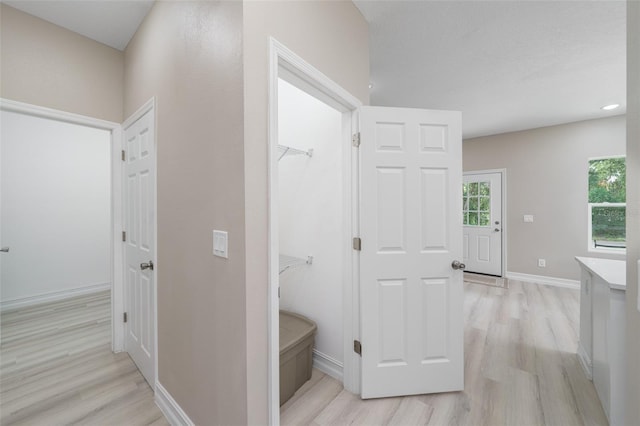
(140, 209)
(411, 231)
(482, 219)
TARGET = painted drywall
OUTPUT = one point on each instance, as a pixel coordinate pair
(633, 212)
(311, 214)
(547, 171)
(56, 206)
(334, 38)
(46, 65)
(189, 56)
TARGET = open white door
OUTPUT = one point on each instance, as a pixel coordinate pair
(482, 220)
(140, 206)
(411, 230)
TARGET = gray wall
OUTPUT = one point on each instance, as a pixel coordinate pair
(46, 65)
(189, 56)
(547, 172)
(633, 211)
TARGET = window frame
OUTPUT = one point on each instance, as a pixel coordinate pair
(591, 248)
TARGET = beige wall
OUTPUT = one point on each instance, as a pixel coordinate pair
(333, 37)
(46, 65)
(633, 210)
(189, 56)
(547, 171)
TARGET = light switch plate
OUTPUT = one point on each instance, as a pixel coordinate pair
(221, 244)
(528, 218)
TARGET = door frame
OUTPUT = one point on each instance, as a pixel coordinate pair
(503, 178)
(117, 252)
(150, 105)
(284, 63)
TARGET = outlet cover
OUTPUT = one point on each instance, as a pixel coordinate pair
(221, 244)
(542, 263)
(528, 218)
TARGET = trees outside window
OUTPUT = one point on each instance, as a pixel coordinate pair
(607, 203)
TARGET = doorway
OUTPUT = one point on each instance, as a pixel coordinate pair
(100, 244)
(288, 67)
(483, 219)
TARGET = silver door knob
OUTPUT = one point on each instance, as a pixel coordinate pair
(148, 265)
(458, 265)
(496, 230)
(4, 250)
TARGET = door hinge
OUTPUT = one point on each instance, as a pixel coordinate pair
(124, 317)
(357, 243)
(124, 236)
(357, 347)
(278, 292)
(123, 156)
(355, 139)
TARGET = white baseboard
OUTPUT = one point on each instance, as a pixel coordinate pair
(540, 279)
(7, 305)
(170, 408)
(328, 365)
(585, 361)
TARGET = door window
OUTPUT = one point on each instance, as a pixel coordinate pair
(476, 206)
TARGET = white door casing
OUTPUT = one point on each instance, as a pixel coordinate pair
(140, 218)
(411, 229)
(482, 223)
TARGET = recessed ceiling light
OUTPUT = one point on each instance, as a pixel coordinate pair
(610, 107)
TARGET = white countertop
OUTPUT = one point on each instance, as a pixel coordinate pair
(611, 271)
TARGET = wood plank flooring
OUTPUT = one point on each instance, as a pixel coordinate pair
(521, 369)
(57, 368)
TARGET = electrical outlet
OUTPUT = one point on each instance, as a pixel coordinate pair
(542, 263)
(527, 218)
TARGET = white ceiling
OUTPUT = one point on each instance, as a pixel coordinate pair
(507, 65)
(111, 22)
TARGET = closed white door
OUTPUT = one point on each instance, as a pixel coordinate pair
(411, 231)
(140, 217)
(482, 219)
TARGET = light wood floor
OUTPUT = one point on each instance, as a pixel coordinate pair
(57, 368)
(520, 369)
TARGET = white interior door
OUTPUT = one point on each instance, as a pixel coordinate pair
(140, 217)
(482, 220)
(411, 229)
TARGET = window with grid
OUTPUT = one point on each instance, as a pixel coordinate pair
(476, 203)
(607, 204)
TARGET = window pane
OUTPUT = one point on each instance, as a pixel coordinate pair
(484, 219)
(464, 189)
(607, 180)
(465, 218)
(484, 204)
(473, 204)
(473, 188)
(608, 226)
(485, 188)
(465, 204)
(473, 218)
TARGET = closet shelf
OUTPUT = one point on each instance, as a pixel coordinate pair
(284, 150)
(287, 262)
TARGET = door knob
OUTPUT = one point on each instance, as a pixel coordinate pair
(458, 265)
(149, 265)
(496, 230)
(4, 250)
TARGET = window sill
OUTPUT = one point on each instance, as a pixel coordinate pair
(611, 251)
